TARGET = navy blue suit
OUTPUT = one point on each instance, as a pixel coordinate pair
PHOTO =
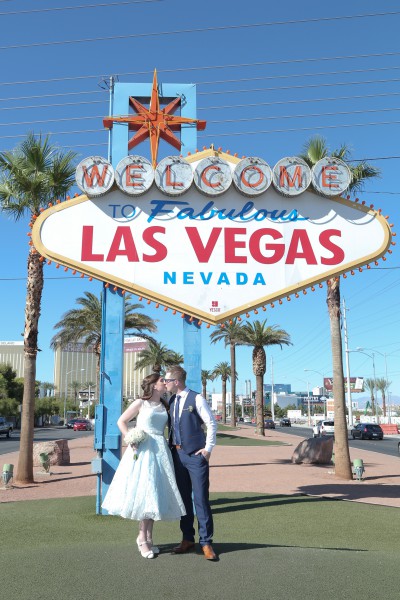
(191, 471)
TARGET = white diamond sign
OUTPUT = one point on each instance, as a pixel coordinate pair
(211, 256)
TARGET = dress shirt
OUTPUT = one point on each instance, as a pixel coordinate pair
(205, 415)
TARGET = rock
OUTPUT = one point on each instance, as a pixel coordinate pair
(314, 451)
(57, 450)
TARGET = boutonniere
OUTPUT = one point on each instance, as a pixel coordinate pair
(189, 408)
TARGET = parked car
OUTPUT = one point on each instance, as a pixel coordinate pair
(247, 419)
(269, 424)
(82, 425)
(327, 428)
(5, 427)
(285, 422)
(71, 423)
(240, 420)
(317, 429)
(367, 430)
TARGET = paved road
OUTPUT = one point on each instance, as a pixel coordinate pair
(41, 435)
(389, 444)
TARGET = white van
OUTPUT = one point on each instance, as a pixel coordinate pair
(327, 428)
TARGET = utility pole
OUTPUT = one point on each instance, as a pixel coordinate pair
(272, 389)
(346, 347)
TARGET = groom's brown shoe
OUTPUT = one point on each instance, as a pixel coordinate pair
(208, 552)
(184, 546)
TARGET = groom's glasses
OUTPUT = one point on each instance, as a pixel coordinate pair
(168, 380)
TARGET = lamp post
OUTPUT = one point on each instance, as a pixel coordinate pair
(346, 348)
(385, 355)
(308, 401)
(372, 356)
(323, 386)
(88, 405)
(65, 395)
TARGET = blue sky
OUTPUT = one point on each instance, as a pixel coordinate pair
(267, 79)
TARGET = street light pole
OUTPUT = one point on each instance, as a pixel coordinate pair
(88, 406)
(272, 390)
(374, 390)
(346, 347)
(308, 399)
(323, 387)
(65, 395)
(386, 374)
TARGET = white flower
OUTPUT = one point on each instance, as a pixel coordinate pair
(189, 408)
(134, 437)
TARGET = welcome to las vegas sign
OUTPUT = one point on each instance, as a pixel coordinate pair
(211, 236)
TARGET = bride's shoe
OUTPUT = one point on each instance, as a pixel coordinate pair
(148, 554)
(155, 549)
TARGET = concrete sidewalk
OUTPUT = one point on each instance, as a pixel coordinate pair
(262, 469)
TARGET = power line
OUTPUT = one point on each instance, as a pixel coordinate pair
(297, 87)
(61, 8)
(236, 133)
(230, 134)
(297, 75)
(200, 30)
(284, 102)
(221, 107)
(218, 121)
(52, 95)
(211, 67)
(58, 104)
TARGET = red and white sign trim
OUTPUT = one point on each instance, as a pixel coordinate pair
(212, 257)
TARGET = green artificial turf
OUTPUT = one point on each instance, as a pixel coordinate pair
(274, 547)
(225, 427)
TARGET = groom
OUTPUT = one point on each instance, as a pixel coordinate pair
(191, 450)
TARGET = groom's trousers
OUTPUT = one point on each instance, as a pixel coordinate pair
(192, 475)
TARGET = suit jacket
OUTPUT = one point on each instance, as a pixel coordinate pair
(190, 424)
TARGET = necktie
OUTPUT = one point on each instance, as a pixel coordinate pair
(176, 421)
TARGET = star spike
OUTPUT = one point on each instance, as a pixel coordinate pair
(154, 123)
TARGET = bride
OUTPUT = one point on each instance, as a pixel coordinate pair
(144, 486)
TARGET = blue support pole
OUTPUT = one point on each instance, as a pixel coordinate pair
(107, 435)
(112, 357)
(191, 330)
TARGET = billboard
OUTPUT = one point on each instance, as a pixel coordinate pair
(356, 384)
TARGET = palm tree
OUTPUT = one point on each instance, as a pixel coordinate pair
(90, 386)
(47, 387)
(175, 358)
(314, 150)
(222, 370)
(157, 356)
(383, 385)
(34, 174)
(75, 386)
(370, 385)
(259, 335)
(230, 334)
(84, 325)
(205, 376)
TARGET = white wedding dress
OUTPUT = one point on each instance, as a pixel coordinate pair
(146, 488)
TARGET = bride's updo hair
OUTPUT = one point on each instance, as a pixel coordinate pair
(147, 386)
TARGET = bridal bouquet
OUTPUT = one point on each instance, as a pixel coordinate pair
(133, 438)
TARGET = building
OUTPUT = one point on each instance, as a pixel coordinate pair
(12, 353)
(283, 400)
(286, 388)
(216, 403)
(74, 363)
